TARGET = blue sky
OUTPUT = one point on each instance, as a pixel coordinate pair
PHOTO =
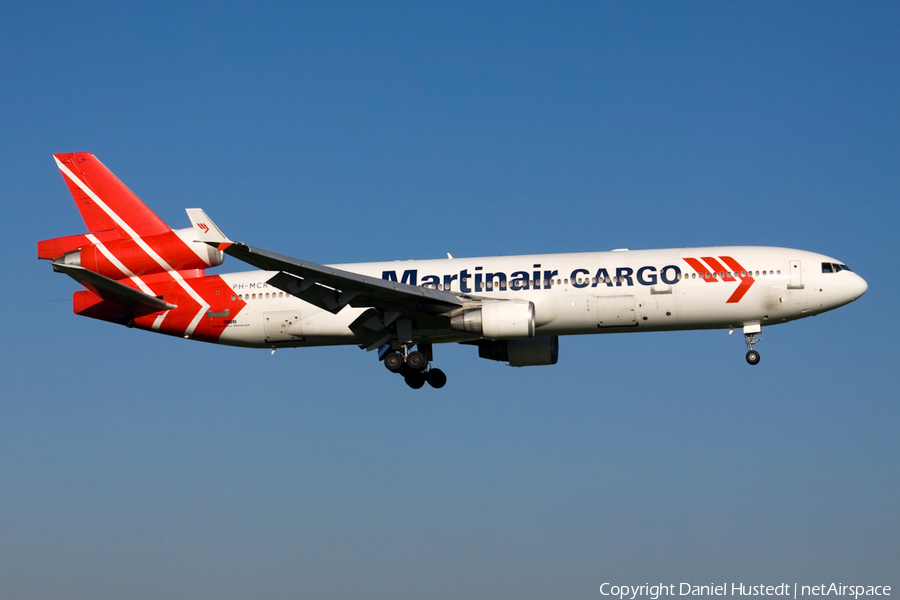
(143, 466)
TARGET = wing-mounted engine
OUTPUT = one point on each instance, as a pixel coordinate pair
(522, 352)
(497, 319)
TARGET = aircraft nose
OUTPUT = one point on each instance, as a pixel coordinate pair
(858, 287)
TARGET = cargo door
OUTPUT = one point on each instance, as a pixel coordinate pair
(615, 311)
(278, 323)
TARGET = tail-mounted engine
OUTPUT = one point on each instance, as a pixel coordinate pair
(172, 250)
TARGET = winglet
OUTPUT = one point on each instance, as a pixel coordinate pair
(205, 230)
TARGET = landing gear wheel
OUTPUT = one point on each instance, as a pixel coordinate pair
(752, 357)
(436, 378)
(415, 380)
(393, 362)
(417, 361)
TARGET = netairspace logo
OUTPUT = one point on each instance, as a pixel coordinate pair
(654, 592)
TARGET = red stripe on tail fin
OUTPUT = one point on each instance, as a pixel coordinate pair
(89, 180)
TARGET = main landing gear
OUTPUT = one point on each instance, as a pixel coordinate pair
(749, 332)
(414, 367)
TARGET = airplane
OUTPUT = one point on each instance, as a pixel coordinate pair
(140, 273)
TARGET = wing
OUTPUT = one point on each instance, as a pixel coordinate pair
(392, 305)
(332, 289)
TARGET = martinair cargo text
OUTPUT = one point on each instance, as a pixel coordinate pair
(140, 273)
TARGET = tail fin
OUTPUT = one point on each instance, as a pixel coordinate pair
(126, 239)
(104, 201)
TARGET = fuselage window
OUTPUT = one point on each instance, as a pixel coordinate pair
(778, 272)
(233, 298)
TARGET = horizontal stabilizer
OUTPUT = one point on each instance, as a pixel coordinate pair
(112, 290)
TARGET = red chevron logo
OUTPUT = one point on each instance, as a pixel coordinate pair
(719, 272)
(204, 227)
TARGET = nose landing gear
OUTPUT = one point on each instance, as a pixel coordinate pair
(415, 367)
(749, 332)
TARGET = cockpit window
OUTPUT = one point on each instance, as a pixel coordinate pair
(834, 268)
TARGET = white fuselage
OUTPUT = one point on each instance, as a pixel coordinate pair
(593, 292)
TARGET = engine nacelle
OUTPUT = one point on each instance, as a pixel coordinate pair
(498, 319)
(525, 352)
(176, 248)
